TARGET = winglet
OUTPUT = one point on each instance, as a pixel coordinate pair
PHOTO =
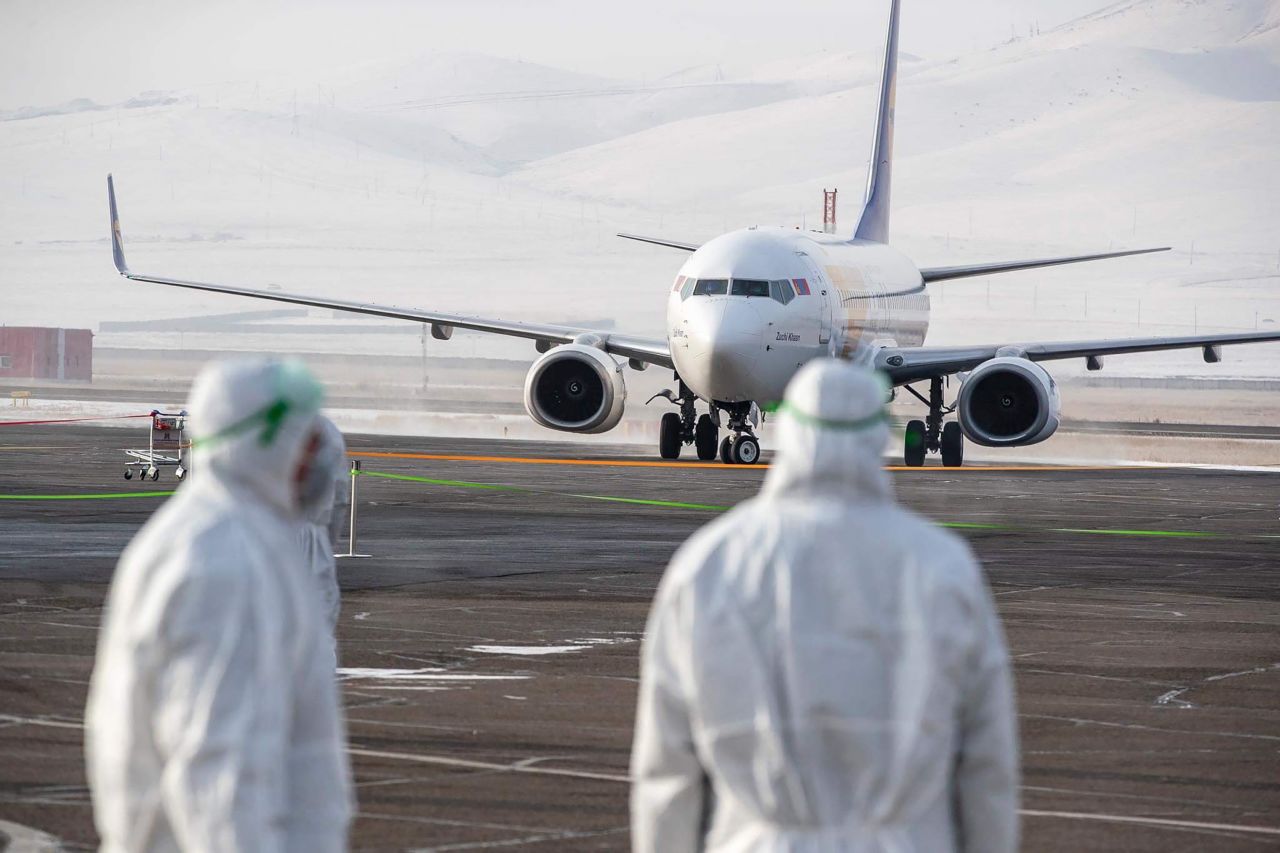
(117, 242)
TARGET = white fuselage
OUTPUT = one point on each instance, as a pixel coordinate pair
(730, 347)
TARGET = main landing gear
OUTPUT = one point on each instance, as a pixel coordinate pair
(703, 431)
(686, 427)
(932, 435)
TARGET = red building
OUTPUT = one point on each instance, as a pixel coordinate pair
(36, 353)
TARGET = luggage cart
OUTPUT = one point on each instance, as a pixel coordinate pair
(166, 448)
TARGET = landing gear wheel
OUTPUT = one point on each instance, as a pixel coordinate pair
(726, 451)
(669, 436)
(128, 475)
(914, 446)
(746, 450)
(705, 435)
(952, 445)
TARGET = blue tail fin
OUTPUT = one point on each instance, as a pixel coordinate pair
(874, 224)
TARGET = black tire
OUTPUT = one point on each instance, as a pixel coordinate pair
(746, 450)
(726, 451)
(913, 444)
(128, 475)
(155, 475)
(706, 438)
(669, 436)
(952, 445)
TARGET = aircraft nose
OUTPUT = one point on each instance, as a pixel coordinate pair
(725, 340)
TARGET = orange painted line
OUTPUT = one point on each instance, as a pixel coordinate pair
(656, 463)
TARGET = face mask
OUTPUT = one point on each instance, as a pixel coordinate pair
(316, 485)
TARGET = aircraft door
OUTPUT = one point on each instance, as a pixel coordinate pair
(823, 289)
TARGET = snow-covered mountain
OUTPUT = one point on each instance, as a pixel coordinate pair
(474, 183)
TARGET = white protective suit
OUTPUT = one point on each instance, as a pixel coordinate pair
(324, 515)
(213, 721)
(824, 670)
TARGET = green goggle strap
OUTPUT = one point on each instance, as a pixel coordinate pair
(270, 418)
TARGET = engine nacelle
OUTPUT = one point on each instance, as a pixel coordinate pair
(575, 388)
(1008, 402)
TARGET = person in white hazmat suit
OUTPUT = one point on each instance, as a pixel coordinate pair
(324, 515)
(213, 721)
(824, 670)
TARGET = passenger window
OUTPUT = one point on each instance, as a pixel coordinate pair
(781, 291)
(749, 287)
(711, 287)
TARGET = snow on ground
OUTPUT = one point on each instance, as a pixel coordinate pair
(475, 184)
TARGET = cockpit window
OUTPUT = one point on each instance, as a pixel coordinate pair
(750, 287)
(779, 290)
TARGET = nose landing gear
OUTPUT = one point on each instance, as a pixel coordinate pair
(931, 435)
(743, 448)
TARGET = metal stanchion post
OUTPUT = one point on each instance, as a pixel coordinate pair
(351, 530)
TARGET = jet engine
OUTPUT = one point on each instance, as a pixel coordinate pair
(1008, 402)
(575, 388)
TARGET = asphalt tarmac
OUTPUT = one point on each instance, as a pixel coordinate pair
(489, 644)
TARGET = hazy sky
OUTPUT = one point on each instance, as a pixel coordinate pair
(54, 51)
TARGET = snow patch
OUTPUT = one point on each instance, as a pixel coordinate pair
(417, 675)
(526, 650)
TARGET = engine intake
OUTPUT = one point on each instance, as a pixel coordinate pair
(575, 388)
(1008, 402)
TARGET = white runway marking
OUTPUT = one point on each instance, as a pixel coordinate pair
(445, 761)
(521, 842)
(1083, 721)
(24, 839)
(1155, 821)
(469, 764)
(38, 721)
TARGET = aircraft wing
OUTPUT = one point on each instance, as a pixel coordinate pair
(646, 350)
(947, 273)
(659, 241)
(909, 364)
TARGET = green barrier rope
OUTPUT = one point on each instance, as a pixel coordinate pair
(463, 484)
(498, 487)
(94, 497)
(953, 525)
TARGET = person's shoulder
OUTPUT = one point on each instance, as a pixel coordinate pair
(190, 540)
(697, 552)
(948, 552)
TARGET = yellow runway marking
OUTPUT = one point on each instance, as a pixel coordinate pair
(655, 463)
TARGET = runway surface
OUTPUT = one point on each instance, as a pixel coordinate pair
(489, 644)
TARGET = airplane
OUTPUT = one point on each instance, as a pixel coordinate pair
(749, 308)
